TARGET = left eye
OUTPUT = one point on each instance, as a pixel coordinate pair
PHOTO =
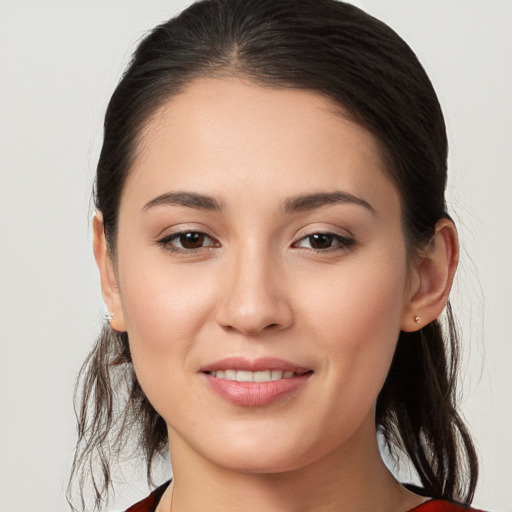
(324, 241)
(187, 241)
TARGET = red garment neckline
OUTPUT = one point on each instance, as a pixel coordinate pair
(439, 505)
(150, 503)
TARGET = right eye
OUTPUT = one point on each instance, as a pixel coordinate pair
(187, 241)
(325, 242)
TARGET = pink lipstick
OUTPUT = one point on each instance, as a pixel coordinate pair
(254, 383)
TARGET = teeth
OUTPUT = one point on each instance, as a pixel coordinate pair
(230, 374)
(261, 376)
(247, 376)
(276, 375)
(244, 376)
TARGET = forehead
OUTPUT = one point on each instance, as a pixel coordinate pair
(220, 132)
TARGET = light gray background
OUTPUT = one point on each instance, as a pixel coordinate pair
(59, 62)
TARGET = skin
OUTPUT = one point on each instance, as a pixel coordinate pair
(257, 287)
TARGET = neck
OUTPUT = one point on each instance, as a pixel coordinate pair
(351, 478)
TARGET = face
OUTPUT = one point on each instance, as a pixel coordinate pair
(262, 276)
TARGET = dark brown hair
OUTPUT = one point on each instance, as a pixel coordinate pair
(339, 51)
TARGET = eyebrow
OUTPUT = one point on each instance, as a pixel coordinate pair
(312, 201)
(187, 199)
(301, 202)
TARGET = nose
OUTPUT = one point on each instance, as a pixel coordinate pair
(254, 295)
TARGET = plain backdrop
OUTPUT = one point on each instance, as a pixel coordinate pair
(59, 63)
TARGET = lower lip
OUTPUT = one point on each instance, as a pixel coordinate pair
(256, 394)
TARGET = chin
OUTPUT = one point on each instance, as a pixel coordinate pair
(261, 457)
(249, 465)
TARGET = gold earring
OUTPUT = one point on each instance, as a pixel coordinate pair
(417, 319)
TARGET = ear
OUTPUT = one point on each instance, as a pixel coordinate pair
(432, 278)
(109, 286)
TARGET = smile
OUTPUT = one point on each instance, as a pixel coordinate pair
(255, 383)
(248, 376)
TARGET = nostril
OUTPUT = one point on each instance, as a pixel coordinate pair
(251, 314)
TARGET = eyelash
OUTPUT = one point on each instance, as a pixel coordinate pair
(167, 240)
(340, 242)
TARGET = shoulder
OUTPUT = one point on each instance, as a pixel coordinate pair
(437, 505)
(149, 503)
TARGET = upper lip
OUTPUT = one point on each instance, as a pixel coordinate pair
(254, 365)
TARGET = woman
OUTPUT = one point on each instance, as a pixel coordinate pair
(275, 252)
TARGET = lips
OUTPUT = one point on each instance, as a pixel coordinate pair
(248, 376)
(260, 364)
(254, 383)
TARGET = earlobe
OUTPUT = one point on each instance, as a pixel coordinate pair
(434, 272)
(109, 286)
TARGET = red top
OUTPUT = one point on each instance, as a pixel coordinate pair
(150, 503)
(442, 506)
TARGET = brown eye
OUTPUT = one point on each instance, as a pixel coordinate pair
(320, 241)
(188, 242)
(192, 240)
(324, 242)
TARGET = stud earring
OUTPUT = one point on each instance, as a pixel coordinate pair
(109, 316)
(417, 319)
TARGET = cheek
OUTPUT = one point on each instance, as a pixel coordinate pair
(358, 298)
(357, 313)
(157, 295)
(165, 307)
